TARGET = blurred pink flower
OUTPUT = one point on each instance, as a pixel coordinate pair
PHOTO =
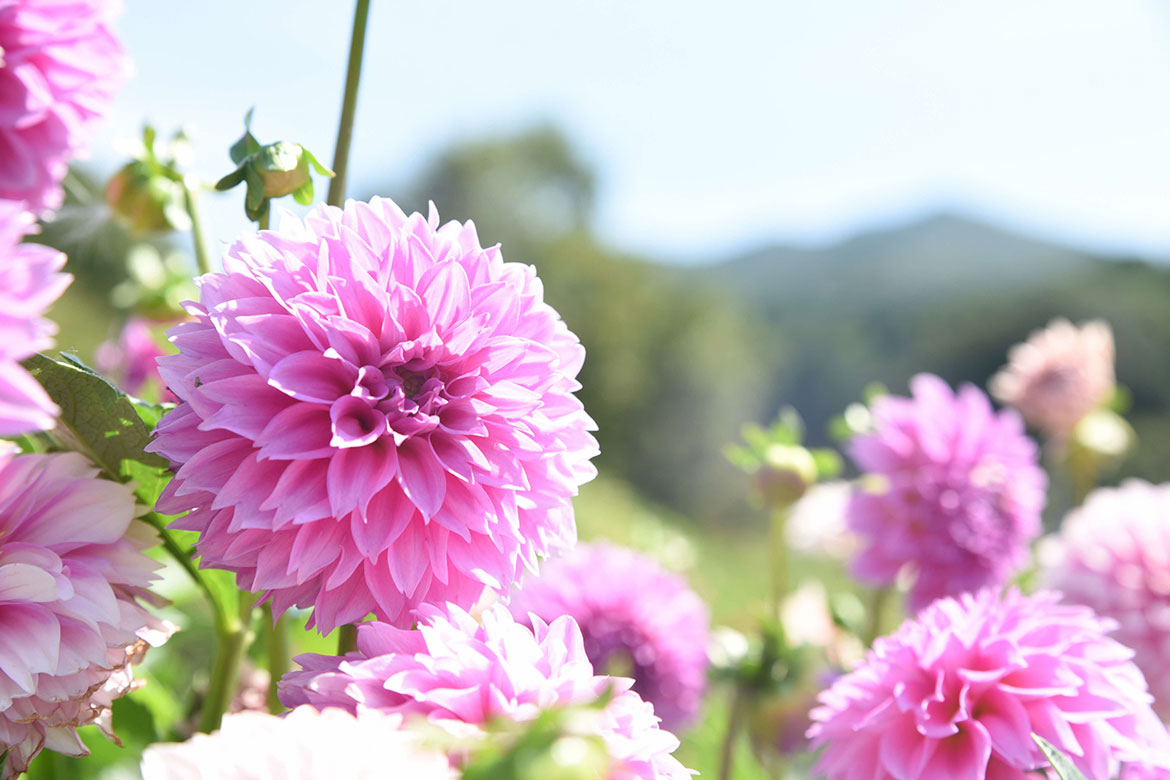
(303, 745)
(636, 619)
(132, 360)
(459, 674)
(1113, 554)
(959, 496)
(61, 67)
(1059, 375)
(29, 284)
(72, 573)
(377, 414)
(957, 693)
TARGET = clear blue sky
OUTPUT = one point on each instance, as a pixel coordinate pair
(714, 126)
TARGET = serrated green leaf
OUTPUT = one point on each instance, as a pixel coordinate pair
(1063, 765)
(97, 418)
(231, 180)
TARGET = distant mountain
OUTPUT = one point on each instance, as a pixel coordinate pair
(947, 295)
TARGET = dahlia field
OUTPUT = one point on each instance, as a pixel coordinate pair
(312, 515)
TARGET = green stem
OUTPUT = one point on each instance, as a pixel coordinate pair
(277, 646)
(353, 75)
(262, 223)
(225, 675)
(779, 544)
(346, 639)
(202, 259)
(183, 558)
(876, 615)
(739, 704)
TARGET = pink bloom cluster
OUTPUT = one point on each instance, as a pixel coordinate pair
(459, 673)
(376, 413)
(960, 492)
(61, 66)
(1113, 554)
(29, 283)
(957, 693)
(1059, 375)
(304, 745)
(72, 572)
(634, 617)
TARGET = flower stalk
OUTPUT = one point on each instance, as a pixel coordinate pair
(234, 635)
(353, 75)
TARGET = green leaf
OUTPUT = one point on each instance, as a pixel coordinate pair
(134, 722)
(96, 418)
(255, 204)
(304, 194)
(231, 180)
(1063, 765)
(317, 166)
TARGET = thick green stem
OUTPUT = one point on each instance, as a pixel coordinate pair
(202, 259)
(779, 543)
(739, 705)
(876, 615)
(353, 75)
(346, 639)
(277, 647)
(232, 644)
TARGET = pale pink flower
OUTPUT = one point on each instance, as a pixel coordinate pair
(132, 360)
(459, 674)
(29, 283)
(957, 693)
(303, 745)
(1059, 375)
(61, 65)
(72, 575)
(1113, 554)
(376, 414)
(635, 617)
(958, 492)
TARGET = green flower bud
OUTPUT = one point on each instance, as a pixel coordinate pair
(785, 474)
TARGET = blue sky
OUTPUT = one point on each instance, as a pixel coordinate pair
(715, 127)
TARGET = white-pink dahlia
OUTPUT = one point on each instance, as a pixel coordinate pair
(72, 576)
(306, 744)
(460, 674)
(1113, 554)
(634, 616)
(29, 283)
(60, 67)
(1059, 375)
(376, 414)
(958, 691)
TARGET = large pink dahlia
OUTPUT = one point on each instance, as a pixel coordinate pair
(958, 492)
(459, 673)
(957, 693)
(29, 283)
(61, 65)
(1113, 554)
(634, 617)
(303, 745)
(1059, 375)
(376, 414)
(72, 573)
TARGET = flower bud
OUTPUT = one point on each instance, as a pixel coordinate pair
(785, 474)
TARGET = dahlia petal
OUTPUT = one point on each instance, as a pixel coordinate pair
(310, 376)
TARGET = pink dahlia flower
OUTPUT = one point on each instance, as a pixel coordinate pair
(72, 573)
(1059, 375)
(303, 745)
(459, 674)
(61, 66)
(29, 283)
(376, 414)
(634, 617)
(133, 359)
(959, 492)
(1113, 554)
(957, 693)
